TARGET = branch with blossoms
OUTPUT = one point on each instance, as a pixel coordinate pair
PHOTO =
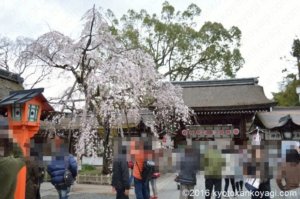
(113, 81)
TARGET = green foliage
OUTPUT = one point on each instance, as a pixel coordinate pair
(87, 167)
(90, 170)
(296, 53)
(296, 48)
(180, 50)
(288, 97)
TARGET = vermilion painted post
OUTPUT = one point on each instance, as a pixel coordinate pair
(22, 131)
(24, 111)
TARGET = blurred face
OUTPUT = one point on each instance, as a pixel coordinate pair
(58, 146)
(58, 142)
(137, 147)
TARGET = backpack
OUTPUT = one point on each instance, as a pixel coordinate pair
(68, 177)
(148, 170)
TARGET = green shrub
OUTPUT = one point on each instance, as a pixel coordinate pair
(87, 167)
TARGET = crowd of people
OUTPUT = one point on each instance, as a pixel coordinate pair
(62, 168)
(141, 158)
(236, 165)
(137, 162)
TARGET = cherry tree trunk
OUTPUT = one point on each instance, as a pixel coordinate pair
(107, 151)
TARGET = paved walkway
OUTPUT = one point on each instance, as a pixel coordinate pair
(166, 187)
(98, 191)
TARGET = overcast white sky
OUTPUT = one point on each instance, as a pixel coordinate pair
(268, 26)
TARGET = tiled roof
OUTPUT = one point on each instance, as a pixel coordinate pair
(9, 82)
(232, 94)
(278, 118)
(11, 76)
(18, 97)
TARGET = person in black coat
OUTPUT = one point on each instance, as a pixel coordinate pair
(34, 178)
(189, 165)
(35, 169)
(120, 175)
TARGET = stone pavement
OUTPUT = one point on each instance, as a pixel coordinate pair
(81, 191)
(166, 188)
(91, 191)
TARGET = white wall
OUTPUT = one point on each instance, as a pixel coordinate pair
(97, 161)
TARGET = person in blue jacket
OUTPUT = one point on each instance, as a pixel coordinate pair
(61, 161)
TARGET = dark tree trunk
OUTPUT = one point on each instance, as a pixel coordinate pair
(107, 150)
(298, 65)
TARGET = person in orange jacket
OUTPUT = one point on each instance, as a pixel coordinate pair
(141, 150)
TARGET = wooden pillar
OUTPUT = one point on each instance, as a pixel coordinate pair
(243, 129)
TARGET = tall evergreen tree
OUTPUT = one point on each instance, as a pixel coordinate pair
(288, 96)
(180, 49)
